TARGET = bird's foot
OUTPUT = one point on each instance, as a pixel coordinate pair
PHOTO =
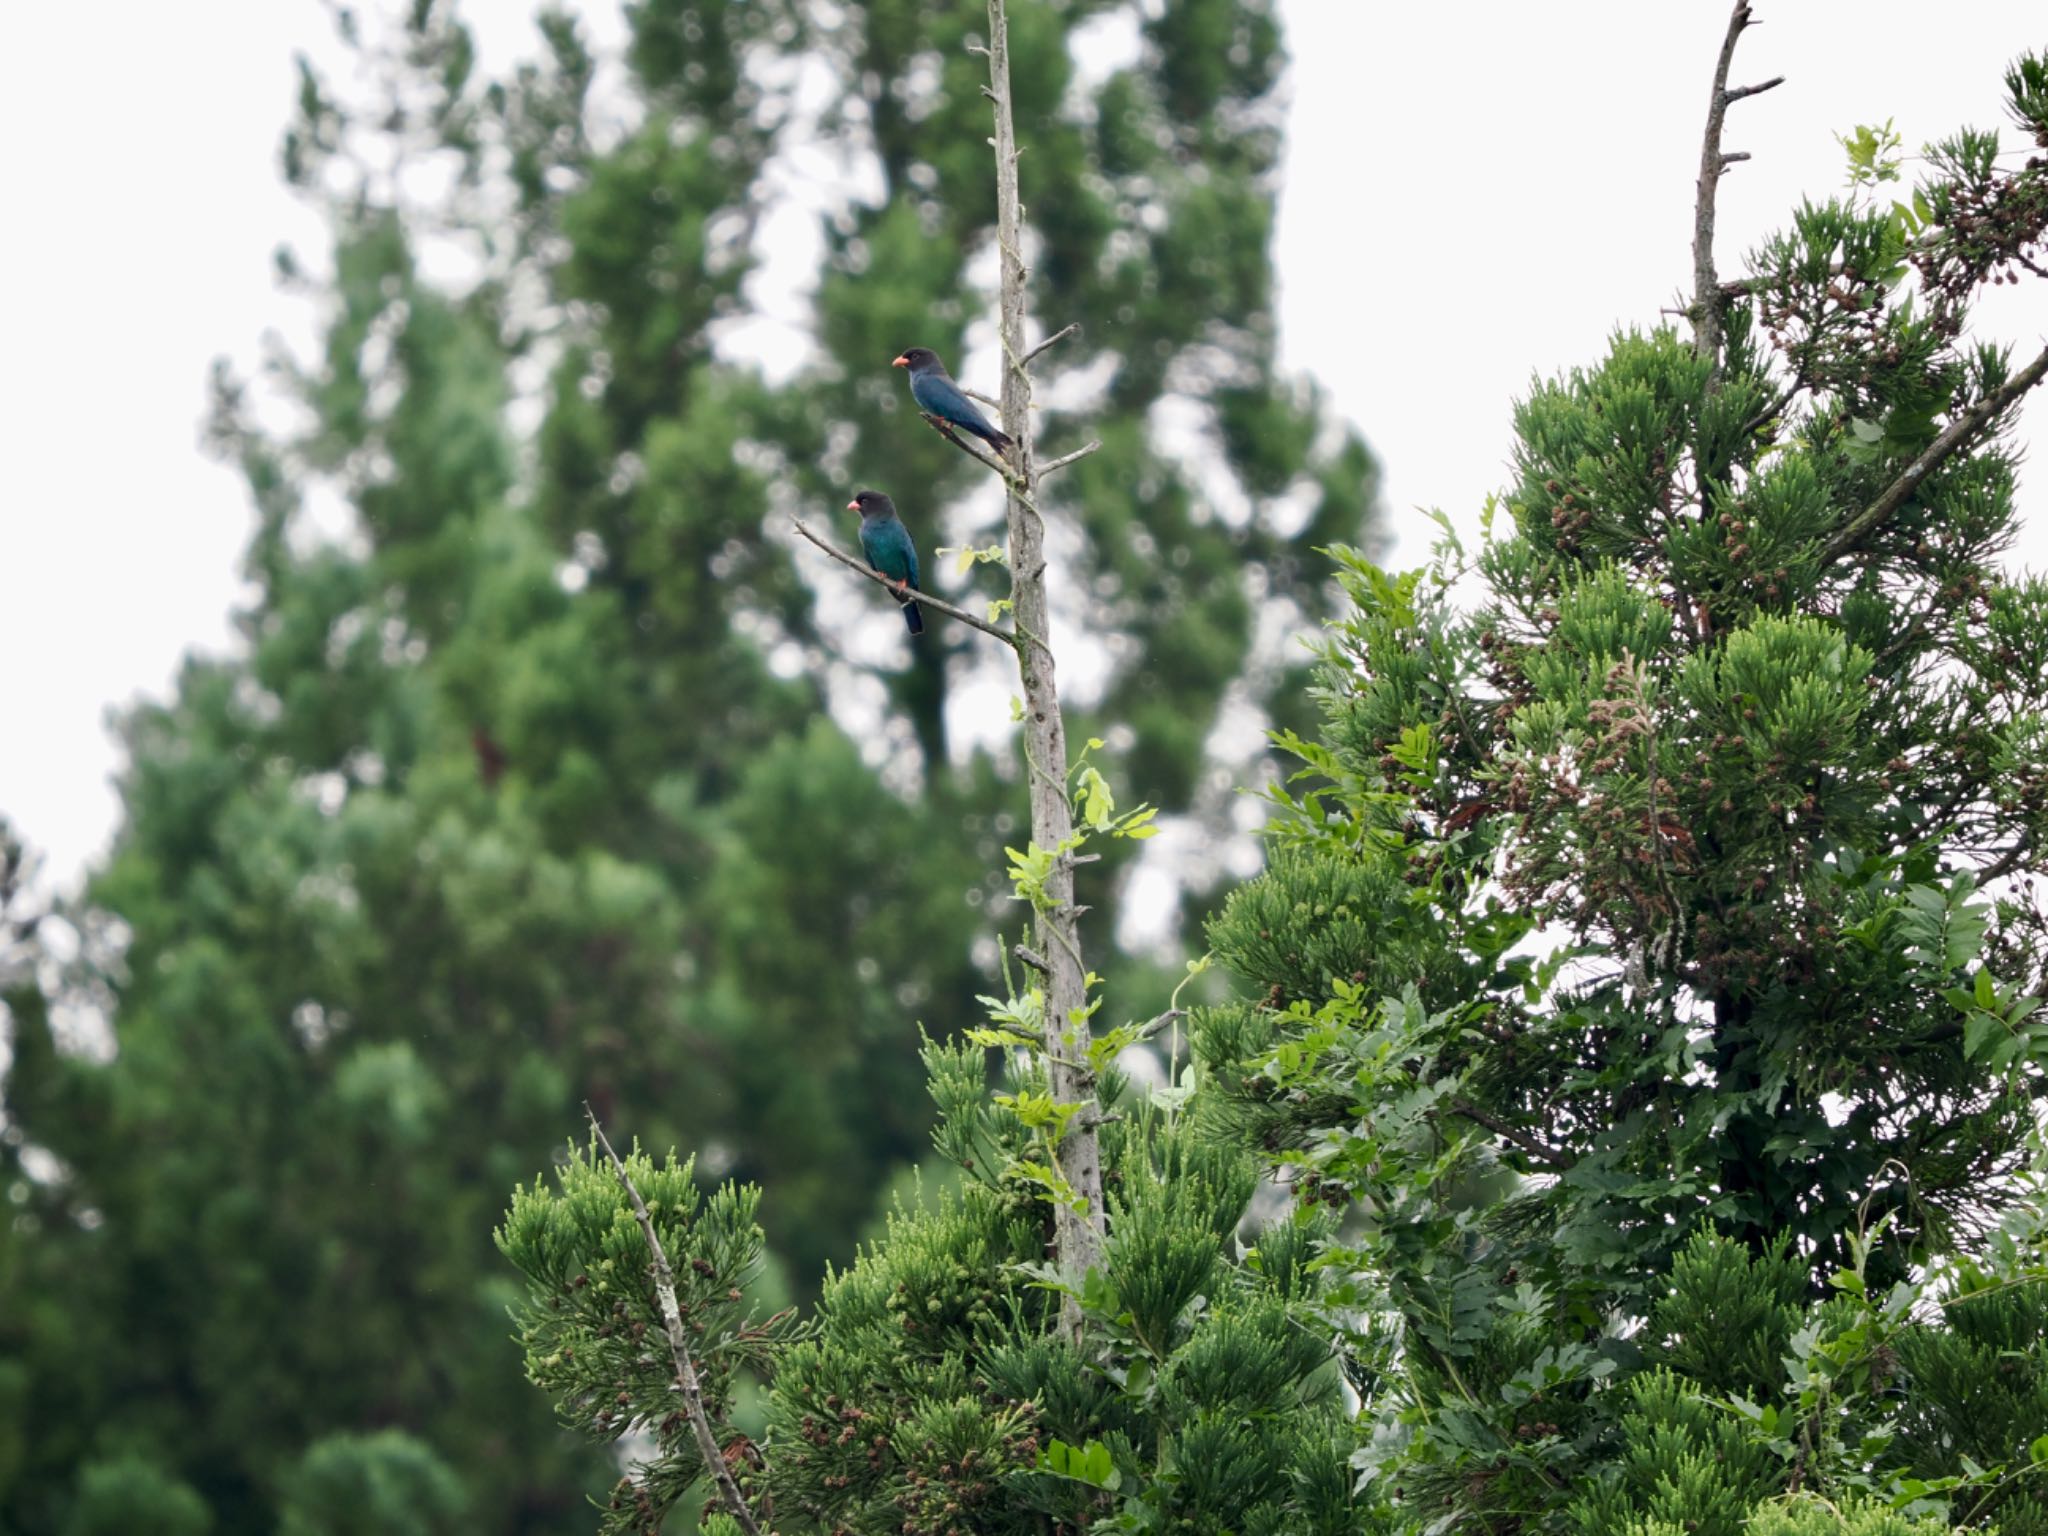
(943, 427)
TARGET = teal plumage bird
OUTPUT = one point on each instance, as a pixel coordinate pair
(886, 543)
(937, 395)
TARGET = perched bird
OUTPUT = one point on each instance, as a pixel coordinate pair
(937, 395)
(886, 543)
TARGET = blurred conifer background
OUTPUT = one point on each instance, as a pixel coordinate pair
(549, 770)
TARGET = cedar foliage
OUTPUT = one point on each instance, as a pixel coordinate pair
(1640, 966)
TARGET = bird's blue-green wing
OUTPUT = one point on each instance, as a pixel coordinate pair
(886, 543)
(941, 397)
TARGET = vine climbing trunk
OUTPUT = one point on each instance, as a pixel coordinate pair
(1080, 1220)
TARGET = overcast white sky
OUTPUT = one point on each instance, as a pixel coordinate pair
(1475, 193)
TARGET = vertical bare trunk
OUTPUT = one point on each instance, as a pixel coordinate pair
(1080, 1232)
(1709, 327)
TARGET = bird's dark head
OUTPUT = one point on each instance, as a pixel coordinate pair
(917, 359)
(871, 504)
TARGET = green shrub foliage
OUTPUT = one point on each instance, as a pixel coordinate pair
(932, 1393)
(1639, 970)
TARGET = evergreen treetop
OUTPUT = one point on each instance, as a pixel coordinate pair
(1643, 961)
(1656, 1084)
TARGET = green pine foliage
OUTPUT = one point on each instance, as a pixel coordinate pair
(1977, 1387)
(931, 1393)
(1726, 1322)
(545, 772)
(125, 1493)
(382, 1481)
(1852, 1517)
(593, 1335)
(1629, 971)
(1680, 1460)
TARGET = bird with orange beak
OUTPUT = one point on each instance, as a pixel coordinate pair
(937, 395)
(886, 543)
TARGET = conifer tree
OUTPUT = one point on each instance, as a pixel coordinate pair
(547, 775)
(1640, 964)
(1074, 1339)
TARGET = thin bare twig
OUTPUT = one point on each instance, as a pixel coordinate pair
(1508, 1133)
(1032, 958)
(1153, 1026)
(1019, 489)
(973, 450)
(1707, 293)
(1065, 459)
(975, 394)
(1054, 339)
(1771, 408)
(2007, 861)
(1957, 433)
(679, 1345)
(924, 599)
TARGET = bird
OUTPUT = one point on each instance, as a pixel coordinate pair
(886, 543)
(937, 395)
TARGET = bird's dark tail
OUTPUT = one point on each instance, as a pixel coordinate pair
(1000, 441)
(913, 618)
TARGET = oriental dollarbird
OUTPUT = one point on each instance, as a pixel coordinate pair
(937, 395)
(886, 543)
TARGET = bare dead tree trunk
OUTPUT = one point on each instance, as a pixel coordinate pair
(1080, 1221)
(1708, 298)
(1080, 1231)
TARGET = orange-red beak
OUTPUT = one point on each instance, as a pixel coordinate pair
(901, 362)
(853, 506)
